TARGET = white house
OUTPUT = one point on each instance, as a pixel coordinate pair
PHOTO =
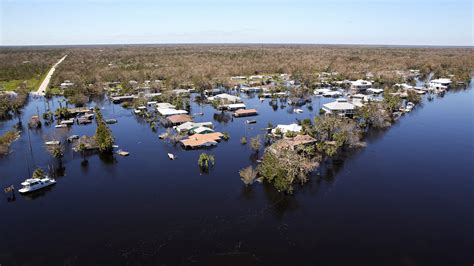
(225, 96)
(169, 112)
(361, 85)
(340, 106)
(191, 125)
(287, 128)
(165, 106)
(442, 83)
(236, 106)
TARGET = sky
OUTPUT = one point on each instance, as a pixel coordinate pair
(391, 22)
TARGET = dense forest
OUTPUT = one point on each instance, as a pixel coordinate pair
(207, 65)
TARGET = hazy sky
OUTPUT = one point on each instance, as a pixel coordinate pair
(415, 22)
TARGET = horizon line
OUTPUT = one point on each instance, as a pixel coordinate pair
(243, 44)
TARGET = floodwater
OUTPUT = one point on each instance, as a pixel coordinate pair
(405, 199)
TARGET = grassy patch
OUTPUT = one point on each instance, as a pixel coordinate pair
(12, 85)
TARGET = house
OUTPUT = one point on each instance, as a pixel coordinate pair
(375, 91)
(322, 91)
(238, 78)
(300, 141)
(360, 85)
(180, 92)
(214, 91)
(225, 97)
(191, 125)
(442, 83)
(245, 112)
(201, 130)
(250, 89)
(340, 106)
(165, 106)
(179, 119)
(119, 99)
(170, 111)
(202, 140)
(235, 106)
(66, 84)
(287, 128)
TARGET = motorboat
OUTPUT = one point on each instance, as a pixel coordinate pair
(123, 153)
(251, 121)
(34, 184)
(72, 138)
(298, 111)
(171, 156)
(60, 126)
(111, 121)
(53, 142)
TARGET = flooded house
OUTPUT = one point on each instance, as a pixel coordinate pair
(340, 107)
(442, 83)
(170, 111)
(178, 119)
(225, 97)
(188, 126)
(287, 128)
(201, 140)
(361, 85)
(245, 112)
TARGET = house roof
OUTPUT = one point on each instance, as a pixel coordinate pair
(242, 112)
(164, 106)
(340, 104)
(190, 125)
(179, 119)
(169, 111)
(198, 140)
(285, 128)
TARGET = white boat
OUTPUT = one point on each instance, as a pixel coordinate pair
(298, 111)
(60, 126)
(53, 142)
(123, 153)
(33, 184)
(171, 156)
(72, 138)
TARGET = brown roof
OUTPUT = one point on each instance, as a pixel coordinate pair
(179, 119)
(245, 112)
(198, 140)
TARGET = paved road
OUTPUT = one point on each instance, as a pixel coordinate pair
(44, 85)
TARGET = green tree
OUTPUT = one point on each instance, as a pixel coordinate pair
(256, 143)
(206, 161)
(103, 134)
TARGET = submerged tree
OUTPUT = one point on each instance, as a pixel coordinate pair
(285, 167)
(103, 134)
(206, 161)
(38, 173)
(255, 143)
(248, 175)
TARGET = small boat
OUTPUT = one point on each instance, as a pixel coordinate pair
(298, 111)
(251, 121)
(60, 126)
(115, 146)
(136, 111)
(53, 142)
(72, 138)
(33, 184)
(163, 136)
(111, 121)
(171, 156)
(123, 153)
(195, 114)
